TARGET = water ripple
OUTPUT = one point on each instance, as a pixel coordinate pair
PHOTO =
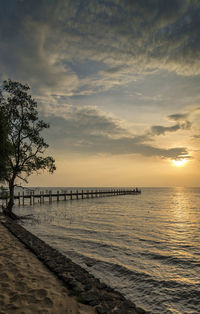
(146, 246)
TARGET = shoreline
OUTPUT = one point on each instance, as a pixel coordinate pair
(27, 286)
(79, 282)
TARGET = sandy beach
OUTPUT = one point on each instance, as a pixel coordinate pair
(27, 286)
(36, 278)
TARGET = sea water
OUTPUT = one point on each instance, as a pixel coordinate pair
(146, 246)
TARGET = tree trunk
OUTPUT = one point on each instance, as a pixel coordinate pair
(8, 210)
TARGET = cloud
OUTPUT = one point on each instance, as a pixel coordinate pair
(178, 116)
(161, 130)
(182, 124)
(88, 130)
(197, 136)
(121, 40)
(24, 55)
(85, 122)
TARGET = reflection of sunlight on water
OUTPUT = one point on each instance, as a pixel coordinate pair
(182, 223)
(147, 246)
(180, 207)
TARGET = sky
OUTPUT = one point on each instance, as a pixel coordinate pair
(117, 80)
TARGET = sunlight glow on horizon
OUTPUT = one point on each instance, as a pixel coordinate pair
(180, 162)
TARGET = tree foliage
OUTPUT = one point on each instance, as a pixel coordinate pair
(23, 133)
(3, 145)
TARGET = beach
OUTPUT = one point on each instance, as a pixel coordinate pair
(147, 252)
(27, 286)
(36, 278)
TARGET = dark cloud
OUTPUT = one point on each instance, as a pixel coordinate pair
(197, 136)
(182, 123)
(85, 122)
(178, 116)
(87, 130)
(161, 130)
(41, 41)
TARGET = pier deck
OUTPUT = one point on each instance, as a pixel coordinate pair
(33, 197)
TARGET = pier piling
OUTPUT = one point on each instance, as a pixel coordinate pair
(65, 195)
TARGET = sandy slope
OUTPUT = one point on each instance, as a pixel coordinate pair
(27, 286)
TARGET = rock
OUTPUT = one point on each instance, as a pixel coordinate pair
(88, 287)
(72, 284)
(94, 302)
(139, 310)
(101, 310)
(106, 297)
(129, 305)
(109, 289)
(81, 278)
(101, 286)
(90, 264)
(91, 298)
(78, 290)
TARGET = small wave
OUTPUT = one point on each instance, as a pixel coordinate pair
(170, 260)
(128, 273)
(85, 239)
(134, 245)
(150, 241)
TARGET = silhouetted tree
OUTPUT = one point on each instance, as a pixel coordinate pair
(23, 134)
(5, 146)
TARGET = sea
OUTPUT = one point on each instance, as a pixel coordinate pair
(146, 246)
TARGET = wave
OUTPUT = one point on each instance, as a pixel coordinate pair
(129, 273)
(171, 260)
(147, 247)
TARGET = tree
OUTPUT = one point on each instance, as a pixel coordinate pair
(5, 146)
(26, 144)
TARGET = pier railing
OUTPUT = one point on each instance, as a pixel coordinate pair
(49, 196)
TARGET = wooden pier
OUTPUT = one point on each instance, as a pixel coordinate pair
(50, 196)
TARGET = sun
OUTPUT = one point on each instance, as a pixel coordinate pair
(179, 162)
